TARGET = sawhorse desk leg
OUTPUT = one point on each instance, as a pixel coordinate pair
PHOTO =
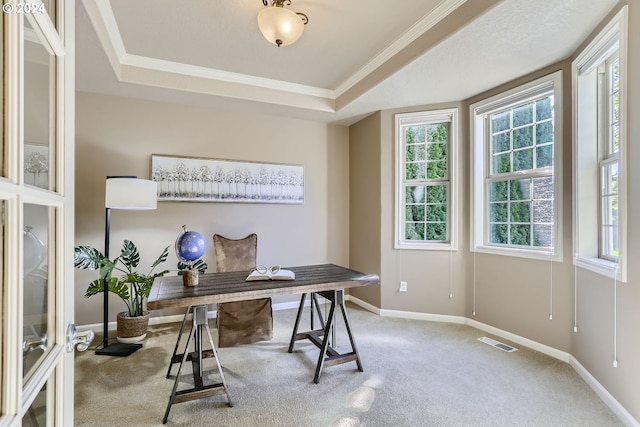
(332, 356)
(199, 391)
(175, 357)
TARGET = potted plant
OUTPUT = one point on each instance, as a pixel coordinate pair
(199, 265)
(123, 280)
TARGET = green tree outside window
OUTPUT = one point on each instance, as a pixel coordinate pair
(521, 210)
(426, 162)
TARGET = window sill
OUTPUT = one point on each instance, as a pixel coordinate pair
(520, 253)
(602, 267)
(444, 246)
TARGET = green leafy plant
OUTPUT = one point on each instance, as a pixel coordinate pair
(131, 286)
(199, 265)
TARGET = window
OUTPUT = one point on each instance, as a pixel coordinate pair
(599, 116)
(425, 190)
(516, 160)
(609, 165)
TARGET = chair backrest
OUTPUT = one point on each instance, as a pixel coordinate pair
(235, 254)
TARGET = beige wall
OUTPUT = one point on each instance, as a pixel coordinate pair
(599, 325)
(364, 212)
(435, 279)
(116, 136)
(517, 294)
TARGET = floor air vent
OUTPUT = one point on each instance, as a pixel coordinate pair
(497, 344)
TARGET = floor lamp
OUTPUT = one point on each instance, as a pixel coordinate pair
(128, 193)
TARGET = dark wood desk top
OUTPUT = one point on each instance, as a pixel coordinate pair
(226, 287)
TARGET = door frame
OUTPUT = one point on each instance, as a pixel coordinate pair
(56, 364)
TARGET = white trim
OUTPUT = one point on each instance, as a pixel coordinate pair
(600, 266)
(17, 392)
(103, 19)
(480, 166)
(357, 301)
(516, 252)
(154, 64)
(586, 257)
(33, 385)
(442, 318)
(461, 320)
(521, 94)
(602, 393)
(426, 246)
(602, 46)
(46, 31)
(522, 341)
(591, 381)
(428, 21)
(173, 318)
(104, 23)
(449, 115)
(106, 26)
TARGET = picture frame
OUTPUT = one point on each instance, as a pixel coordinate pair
(196, 179)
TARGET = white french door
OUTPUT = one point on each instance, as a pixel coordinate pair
(36, 212)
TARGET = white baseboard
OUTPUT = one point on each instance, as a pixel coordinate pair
(430, 317)
(602, 392)
(363, 304)
(178, 317)
(598, 388)
(534, 345)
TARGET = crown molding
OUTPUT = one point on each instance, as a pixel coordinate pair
(145, 62)
(162, 73)
(168, 74)
(171, 78)
(104, 23)
(428, 21)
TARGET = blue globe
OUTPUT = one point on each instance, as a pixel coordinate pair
(190, 246)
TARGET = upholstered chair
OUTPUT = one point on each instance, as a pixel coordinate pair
(241, 322)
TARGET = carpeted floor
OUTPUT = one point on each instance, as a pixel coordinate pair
(416, 373)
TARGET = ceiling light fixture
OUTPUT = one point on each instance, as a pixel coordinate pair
(281, 26)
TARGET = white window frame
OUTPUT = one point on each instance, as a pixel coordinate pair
(426, 117)
(609, 157)
(591, 157)
(480, 167)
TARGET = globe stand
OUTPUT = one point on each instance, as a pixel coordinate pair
(190, 277)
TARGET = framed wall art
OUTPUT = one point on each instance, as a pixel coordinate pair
(214, 180)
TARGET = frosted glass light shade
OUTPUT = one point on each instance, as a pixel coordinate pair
(131, 193)
(280, 26)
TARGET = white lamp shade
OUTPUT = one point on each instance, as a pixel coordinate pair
(131, 193)
(278, 23)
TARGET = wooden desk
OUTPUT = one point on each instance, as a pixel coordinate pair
(226, 287)
(327, 280)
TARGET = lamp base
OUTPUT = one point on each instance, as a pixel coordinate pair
(119, 349)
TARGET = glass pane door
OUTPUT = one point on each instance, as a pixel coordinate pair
(36, 206)
(39, 107)
(36, 299)
(4, 100)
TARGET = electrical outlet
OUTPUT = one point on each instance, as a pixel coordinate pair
(403, 286)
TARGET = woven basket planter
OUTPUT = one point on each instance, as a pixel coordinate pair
(132, 329)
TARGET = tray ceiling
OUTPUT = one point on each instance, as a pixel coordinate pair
(355, 56)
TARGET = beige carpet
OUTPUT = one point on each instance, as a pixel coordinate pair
(416, 373)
